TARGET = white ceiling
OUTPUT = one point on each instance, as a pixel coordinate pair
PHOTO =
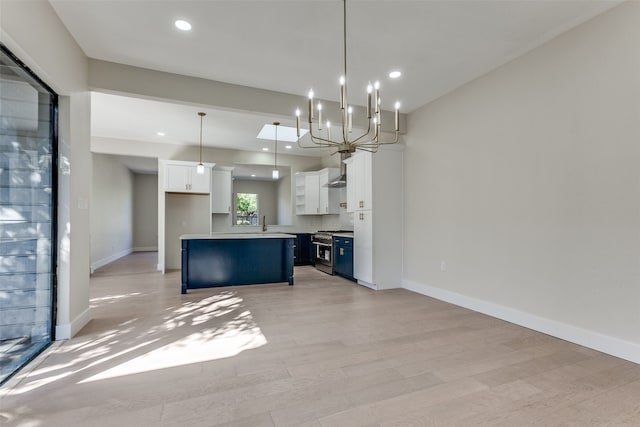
(292, 46)
(136, 119)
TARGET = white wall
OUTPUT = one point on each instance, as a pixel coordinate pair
(33, 32)
(112, 198)
(145, 212)
(285, 201)
(525, 182)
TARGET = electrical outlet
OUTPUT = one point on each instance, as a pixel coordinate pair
(443, 266)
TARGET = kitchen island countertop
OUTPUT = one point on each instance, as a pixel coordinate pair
(229, 236)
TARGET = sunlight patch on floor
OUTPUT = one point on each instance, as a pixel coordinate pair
(231, 339)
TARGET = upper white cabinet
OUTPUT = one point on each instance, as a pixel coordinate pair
(375, 196)
(221, 191)
(183, 178)
(314, 196)
(360, 186)
(329, 197)
(311, 193)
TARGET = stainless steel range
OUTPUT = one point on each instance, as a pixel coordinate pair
(323, 243)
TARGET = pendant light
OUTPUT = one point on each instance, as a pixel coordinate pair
(200, 167)
(275, 173)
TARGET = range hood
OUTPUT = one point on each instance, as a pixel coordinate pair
(341, 180)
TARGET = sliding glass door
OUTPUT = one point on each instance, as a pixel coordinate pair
(28, 130)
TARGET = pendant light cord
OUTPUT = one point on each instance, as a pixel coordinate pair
(201, 116)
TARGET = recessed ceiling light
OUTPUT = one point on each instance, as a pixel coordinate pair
(288, 147)
(183, 25)
(161, 134)
(395, 74)
(253, 175)
(265, 149)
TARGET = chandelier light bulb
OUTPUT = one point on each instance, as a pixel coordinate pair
(311, 94)
(397, 105)
(369, 88)
(376, 85)
(342, 80)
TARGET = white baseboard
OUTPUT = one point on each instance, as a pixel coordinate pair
(597, 341)
(145, 249)
(104, 261)
(68, 330)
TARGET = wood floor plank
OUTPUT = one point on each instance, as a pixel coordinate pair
(325, 352)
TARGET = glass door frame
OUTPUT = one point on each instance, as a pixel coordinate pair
(53, 123)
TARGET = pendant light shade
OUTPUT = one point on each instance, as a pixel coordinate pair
(200, 167)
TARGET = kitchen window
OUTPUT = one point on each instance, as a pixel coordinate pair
(247, 209)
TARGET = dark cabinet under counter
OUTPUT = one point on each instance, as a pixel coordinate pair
(343, 257)
(303, 250)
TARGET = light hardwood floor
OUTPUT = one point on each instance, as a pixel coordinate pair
(325, 352)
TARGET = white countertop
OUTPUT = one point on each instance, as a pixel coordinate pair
(347, 234)
(230, 236)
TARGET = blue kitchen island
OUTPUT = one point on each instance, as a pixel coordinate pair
(227, 259)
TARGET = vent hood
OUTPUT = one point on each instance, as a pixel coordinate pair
(341, 180)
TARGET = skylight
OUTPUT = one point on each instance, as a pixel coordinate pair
(285, 133)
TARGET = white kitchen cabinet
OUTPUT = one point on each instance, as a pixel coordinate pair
(363, 246)
(374, 190)
(311, 193)
(329, 202)
(221, 191)
(313, 196)
(183, 178)
(362, 163)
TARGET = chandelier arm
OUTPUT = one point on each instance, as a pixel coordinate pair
(370, 150)
(322, 141)
(378, 143)
(315, 138)
(355, 141)
(318, 145)
(396, 139)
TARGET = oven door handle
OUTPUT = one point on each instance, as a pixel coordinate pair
(321, 244)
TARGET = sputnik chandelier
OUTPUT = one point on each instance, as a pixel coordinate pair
(347, 143)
